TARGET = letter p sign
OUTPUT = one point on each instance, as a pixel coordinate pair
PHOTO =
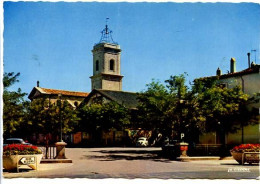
(182, 135)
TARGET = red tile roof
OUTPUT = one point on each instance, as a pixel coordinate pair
(63, 92)
(254, 69)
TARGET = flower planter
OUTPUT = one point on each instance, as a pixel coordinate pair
(16, 155)
(246, 153)
(237, 156)
(13, 162)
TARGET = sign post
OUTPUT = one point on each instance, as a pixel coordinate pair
(182, 148)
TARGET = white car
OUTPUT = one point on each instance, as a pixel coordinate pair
(142, 141)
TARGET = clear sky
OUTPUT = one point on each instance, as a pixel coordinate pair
(52, 42)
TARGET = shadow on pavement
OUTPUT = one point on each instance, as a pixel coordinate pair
(21, 170)
(237, 164)
(114, 155)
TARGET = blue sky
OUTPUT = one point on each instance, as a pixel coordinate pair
(52, 42)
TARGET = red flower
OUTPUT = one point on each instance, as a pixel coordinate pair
(13, 149)
(247, 148)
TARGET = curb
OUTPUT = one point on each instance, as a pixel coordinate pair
(187, 159)
(53, 161)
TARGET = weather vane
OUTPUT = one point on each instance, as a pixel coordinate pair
(106, 35)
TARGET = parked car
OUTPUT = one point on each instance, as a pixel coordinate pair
(168, 147)
(15, 141)
(142, 141)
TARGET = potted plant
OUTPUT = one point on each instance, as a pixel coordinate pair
(19, 154)
(237, 151)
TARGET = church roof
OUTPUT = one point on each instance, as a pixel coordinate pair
(57, 92)
(127, 99)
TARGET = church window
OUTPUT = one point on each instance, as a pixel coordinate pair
(111, 65)
(97, 65)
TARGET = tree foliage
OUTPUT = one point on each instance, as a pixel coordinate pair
(206, 106)
(154, 103)
(45, 117)
(103, 116)
(219, 108)
(161, 106)
(14, 105)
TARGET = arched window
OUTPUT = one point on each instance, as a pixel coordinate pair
(111, 65)
(97, 65)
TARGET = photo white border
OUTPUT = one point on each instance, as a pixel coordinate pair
(101, 181)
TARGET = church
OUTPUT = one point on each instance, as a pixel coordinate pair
(106, 82)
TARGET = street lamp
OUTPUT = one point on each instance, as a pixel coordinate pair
(60, 146)
(60, 118)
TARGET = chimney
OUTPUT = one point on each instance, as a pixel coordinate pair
(232, 65)
(248, 55)
(219, 72)
(253, 64)
(38, 84)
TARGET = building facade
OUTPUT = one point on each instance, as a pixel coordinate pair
(106, 63)
(106, 67)
(249, 80)
(74, 98)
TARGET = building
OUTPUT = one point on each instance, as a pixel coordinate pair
(106, 84)
(127, 99)
(106, 67)
(249, 80)
(74, 98)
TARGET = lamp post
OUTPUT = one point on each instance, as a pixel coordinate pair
(60, 146)
(60, 118)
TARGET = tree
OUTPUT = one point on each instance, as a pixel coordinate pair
(206, 106)
(219, 108)
(47, 118)
(98, 117)
(162, 107)
(153, 106)
(14, 106)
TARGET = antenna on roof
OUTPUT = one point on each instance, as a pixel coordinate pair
(254, 50)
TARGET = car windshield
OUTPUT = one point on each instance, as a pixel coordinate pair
(13, 141)
(142, 139)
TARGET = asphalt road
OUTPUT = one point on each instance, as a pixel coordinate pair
(131, 163)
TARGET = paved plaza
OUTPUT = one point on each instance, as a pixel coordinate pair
(132, 163)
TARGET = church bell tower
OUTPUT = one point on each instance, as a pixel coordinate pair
(106, 63)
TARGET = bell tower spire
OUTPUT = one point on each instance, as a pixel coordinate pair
(106, 63)
(106, 35)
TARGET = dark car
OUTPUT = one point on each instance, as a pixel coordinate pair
(168, 147)
(15, 141)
